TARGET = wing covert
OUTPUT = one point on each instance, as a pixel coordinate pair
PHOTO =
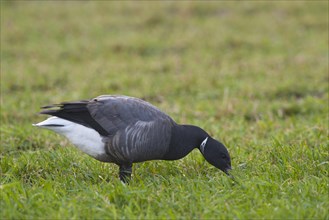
(114, 113)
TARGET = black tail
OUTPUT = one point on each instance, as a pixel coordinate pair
(76, 112)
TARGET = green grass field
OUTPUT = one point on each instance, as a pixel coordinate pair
(253, 74)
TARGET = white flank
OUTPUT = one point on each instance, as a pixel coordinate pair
(86, 139)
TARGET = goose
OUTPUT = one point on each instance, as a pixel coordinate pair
(124, 130)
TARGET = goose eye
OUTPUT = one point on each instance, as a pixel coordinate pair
(223, 156)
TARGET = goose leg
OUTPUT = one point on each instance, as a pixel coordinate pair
(125, 172)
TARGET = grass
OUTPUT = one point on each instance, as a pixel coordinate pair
(253, 74)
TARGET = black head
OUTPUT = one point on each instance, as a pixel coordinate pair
(216, 154)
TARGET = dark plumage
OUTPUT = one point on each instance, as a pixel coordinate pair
(131, 131)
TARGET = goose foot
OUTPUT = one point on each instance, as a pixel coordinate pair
(125, 172)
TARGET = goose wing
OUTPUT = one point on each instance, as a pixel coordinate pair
(114, 113)
(107, 113)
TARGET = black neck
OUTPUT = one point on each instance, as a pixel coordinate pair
(184, 139)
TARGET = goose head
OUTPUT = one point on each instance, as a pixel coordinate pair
(216, 154)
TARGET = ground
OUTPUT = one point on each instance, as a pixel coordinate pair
(253, 74)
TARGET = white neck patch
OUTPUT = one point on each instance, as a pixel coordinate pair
(203, 144)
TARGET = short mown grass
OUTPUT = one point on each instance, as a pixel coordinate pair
(252, 74)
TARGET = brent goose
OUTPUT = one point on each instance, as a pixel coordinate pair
(125, 130)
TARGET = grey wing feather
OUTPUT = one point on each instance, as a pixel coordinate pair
(114, 113)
